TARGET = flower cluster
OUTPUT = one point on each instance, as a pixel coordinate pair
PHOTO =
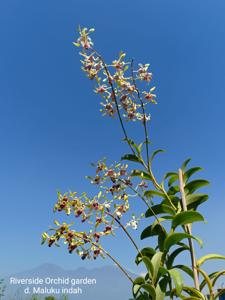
(85, 244)
(84, 39)
(115, 85)
(113, 181)
(99, 212)
(102, 213)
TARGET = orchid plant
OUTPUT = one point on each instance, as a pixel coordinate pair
(170, 205)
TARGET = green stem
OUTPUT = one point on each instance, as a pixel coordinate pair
(160, 188)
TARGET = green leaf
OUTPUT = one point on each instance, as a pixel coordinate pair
(152, 193)
(132, 143)
(194, 200)
(160, 294)
(203, 259)
(137, 285)
(190, 172)
(162, 272)
(150, 289)
(186, 217)
(208, 281)
(131, 157)
(193, 292)
(185, 269)
(141, 174)
(194, 185)
(161, 238)
(174, 238)
(152, 231)
(149, 252)
(159, 209)
(217, 276)
(143, 296)
(155, 153)
(149, 265)
(185, 163)
(203, 283)
(169, 174)
(156, 262)
(174, 254)
(173, 190)
(177, 279)
(160, 220)
(172, 179)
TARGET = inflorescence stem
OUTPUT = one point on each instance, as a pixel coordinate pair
(114, 98)
(125, 230)
(110, 256)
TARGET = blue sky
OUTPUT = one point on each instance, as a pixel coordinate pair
(50, 126)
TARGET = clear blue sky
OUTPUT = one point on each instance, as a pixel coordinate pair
(50, 127)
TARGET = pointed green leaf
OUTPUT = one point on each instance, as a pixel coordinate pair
(133, 144)
(203, 259)
(203, 283)
(208, 281)
(160, 294)
(156, 262)
(186, 217)
(190, 172)
(173, 190)
(184, 165)
(152, 193)
(131, 157)
(150, 289)
(155, 153)
(194, 185)
(217, 276)
(137, 285)
(149, 265)
(149, 252)
(177, 279)
(141, 174)
(185, 269)
(174, 254)
(193, 292)
(159, 209)
(174, 238)
(172, 179)
(194, 200)
(169, 174)
(152, 231)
